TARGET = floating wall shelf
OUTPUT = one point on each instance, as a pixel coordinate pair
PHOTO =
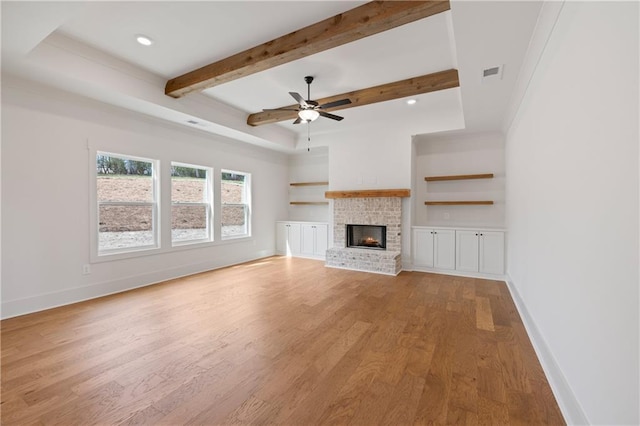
(458, 177)
(458, 203)
(308, 183)
(308, 203)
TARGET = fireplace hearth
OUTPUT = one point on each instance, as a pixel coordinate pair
(367, 236)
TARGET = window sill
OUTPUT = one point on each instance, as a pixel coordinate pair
(132, 254)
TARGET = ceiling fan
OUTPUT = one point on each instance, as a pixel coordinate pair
(309, 110)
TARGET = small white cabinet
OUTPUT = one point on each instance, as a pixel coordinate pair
(302, 239)
(480, 251)
(288, 238)
(434, 248)
(314, 240)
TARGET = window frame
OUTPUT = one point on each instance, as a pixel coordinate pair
(97, 254)
(209, 205)
(246, 198)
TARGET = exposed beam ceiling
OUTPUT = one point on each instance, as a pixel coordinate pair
(385, 92)
(368, 19)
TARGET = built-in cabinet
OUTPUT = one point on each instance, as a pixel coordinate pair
(480, 251)
(302, 239)
(288, 238)
(314, 240)
(434, 248)
(464, 251)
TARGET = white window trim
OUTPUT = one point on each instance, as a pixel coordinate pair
(246, 202)
(162, 173)
(208, 205)
(97, 255)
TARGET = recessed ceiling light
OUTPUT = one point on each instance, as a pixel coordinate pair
(411, 101)
(144, 40)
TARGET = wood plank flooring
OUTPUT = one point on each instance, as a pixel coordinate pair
(279, 341)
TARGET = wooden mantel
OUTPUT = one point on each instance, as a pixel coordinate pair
(369, 193)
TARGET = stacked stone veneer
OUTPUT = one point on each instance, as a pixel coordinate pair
(384, 211)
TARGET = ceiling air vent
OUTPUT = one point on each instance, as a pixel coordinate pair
(492, 73)
(198, 123)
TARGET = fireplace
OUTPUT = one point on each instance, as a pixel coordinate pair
(369, 208)
(367, 236)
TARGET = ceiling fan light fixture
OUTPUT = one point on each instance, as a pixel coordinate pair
(144, 40)
(308, 114)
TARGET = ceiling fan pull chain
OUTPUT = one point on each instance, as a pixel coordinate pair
(308, 136)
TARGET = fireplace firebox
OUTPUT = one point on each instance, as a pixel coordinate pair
(367, 236)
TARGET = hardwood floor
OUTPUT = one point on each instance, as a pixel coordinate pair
(279, 341)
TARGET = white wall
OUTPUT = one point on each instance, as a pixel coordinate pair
(455, 154)
(370, 161)
(572, 210)
(45, 196)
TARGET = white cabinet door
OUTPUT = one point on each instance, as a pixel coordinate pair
(423, 247)
(491, 252)
(444, 249)
(322, 240)
(308, 239)
(281, 237)
(288, 238)
(293, 239)
(467, 251)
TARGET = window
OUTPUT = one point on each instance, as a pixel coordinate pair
(235, 199)
(127, 203)
(191, 203)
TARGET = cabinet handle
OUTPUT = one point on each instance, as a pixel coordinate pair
(476, 235)
(481, 235)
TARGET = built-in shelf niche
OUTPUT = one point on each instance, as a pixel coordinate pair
(309, 203)
(461, 202)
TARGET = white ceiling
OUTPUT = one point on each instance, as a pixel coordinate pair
(89, 48)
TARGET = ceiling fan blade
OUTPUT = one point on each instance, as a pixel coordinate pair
(336, 103)
(298, 120)
(299, 99)
(331, 116)
(280, 109)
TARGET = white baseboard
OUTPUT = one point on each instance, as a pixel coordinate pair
(457, 273)
(569, 405)
(41, 302)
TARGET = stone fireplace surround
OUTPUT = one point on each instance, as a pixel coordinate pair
(372, 207)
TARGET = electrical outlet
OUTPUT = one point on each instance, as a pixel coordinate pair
(86, 269)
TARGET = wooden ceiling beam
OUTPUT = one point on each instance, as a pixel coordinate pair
(363, 21)
(400, 89)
